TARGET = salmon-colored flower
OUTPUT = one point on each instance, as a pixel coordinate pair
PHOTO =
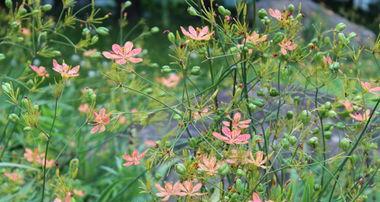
(287, 45)
(259, 159)
(198, 34)
(239, 157)
(171, 81)
(78, 192)
(232, 137)
(14, 177)
(133, 159)
(209, 165)
(189, 189)
(368, 87)
(38, 158)
(84, 108)
(65, 70)
(277, 14)
(361, 116)
(348, 105)
(25, 31)
(200, 114)
(150, 143)
(124, 54)
(327, 60)
(236, 123)
(40, 70)
(256, 198)
(255, 38)
(101, 119)
(168, 190)
(67, 198)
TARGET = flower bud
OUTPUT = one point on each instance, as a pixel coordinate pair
(305, 116)
(94, 39)
(351, 35)
(240, 185)
(328, 134)
(223, 11)
(252, 106)
(262, 13)
(73, 168)
(148, 90)
(2, 56)
(191, 10)
(9, 4)
(196, 70)
(171, 37)
(273, 92)
(224, 169)
(13, 117)
(7, 87)
(291, 8)
(166, 69)
(154, 29)
(27, 129)
(22, 11)
(240, 172)
(332, 114)
(299, 17)
(180, 168)
(285, 143)
(278, 37)
(340, 125)
(26, 102)
(313, 141)
(102, 31)
(345, 143)
(292, 139)
(56, 53)
(260, 93)
(127, 4)
(46, 7)
(258, 102)
(177, 117)
(340, 27)
(289, 115)
(85, 31)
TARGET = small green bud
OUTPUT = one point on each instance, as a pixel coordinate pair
(285, 143)
(85, 31)
(166, 69)
(13, 117)
(260, 93)
(305, 116)
(273, 92)
(291, 8)
(328, 134)
(27, 129)
(196, 70)
(351, 35)
(148, 90)
(191, 10)
(56, 53)
(102, 31)
(340, 125)
(73, 168)
(7, 87)
(22, 11)
(313, 141)
(224, 169)
(180, 168)
(177, 117)
(299, 17)
(278, 37)
(262, 13)
(342, 38)
(332, 114)
(258, 102)
(328, 105)
(233, 49)
(94, 39)
(240, 185)
(345, 144)
(25, 102)
(127, 4)
(289, 115)
(9, 4)
(292, 139)
(317, 187)
(46, 7)
(240, 172)
(223, 11)
(252, 106)
(154, 29)
(171, 37)
(334, 66)
(340, 27)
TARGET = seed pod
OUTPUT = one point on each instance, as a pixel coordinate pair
(262, 13)
(102, 31)
(328, 134)
(345, 144)
(180, 168)
(196, 70)
(340, 27)
(305, 116)
(13, 117)
(46, 7)
(191, 10)
(273, 92)
(289, 115)
(285, 143)
(171, 37)
(291, 8)
(292, 139)
(332, 114)
(313, 141)
(73, 168)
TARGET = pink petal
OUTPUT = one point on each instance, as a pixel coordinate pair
(197, 187)
(184, 32)
(243, 139)
(74, 71)
(110, 55)
(204, 31)
(192, 31)
(135, 60)
(120, 61)
(226, 123)
(375, 89)
(237, 117)
(219, 136)
(227, 132)
(135, 51)
(128, 46)
(117, 49)
(95, 129)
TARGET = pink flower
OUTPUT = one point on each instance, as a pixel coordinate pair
(84, 108)
(287, 45)
(361, 117)
(259, 159)
(150, 143)
(38, 158)
(133, 159)
(66, 199)
(14, 177)
(369, 87)
(25, 31)
(236, 123)
(171, 81)
(209, 165)
(198, 34)
(255, 38)
(168, 190)
(65, 70)
(276, 14)
(41, 71)
(189, 189)
(123, 54)
(232, 137)
(200, 114)
(256, 198)
(327, 60)
(348, 105)
(79, 192)
(101, 120)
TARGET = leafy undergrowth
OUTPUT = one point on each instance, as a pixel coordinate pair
(243, 110)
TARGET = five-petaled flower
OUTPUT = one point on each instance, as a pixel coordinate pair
(171, 81)
(232, 136)
(361, 116)
(256, 198)
(124, 54)
(189, 189)
(368, 87)
(287, 45)
(236, 123)
(259, 159)
(209, 165)
(255, 38)
(327, 60)
(133, 159)
(40, 70)
(198, 34)
(38, 158)
(65, 70)
(168, 190)
(348, 105)
(101, 119)
(277, 14)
